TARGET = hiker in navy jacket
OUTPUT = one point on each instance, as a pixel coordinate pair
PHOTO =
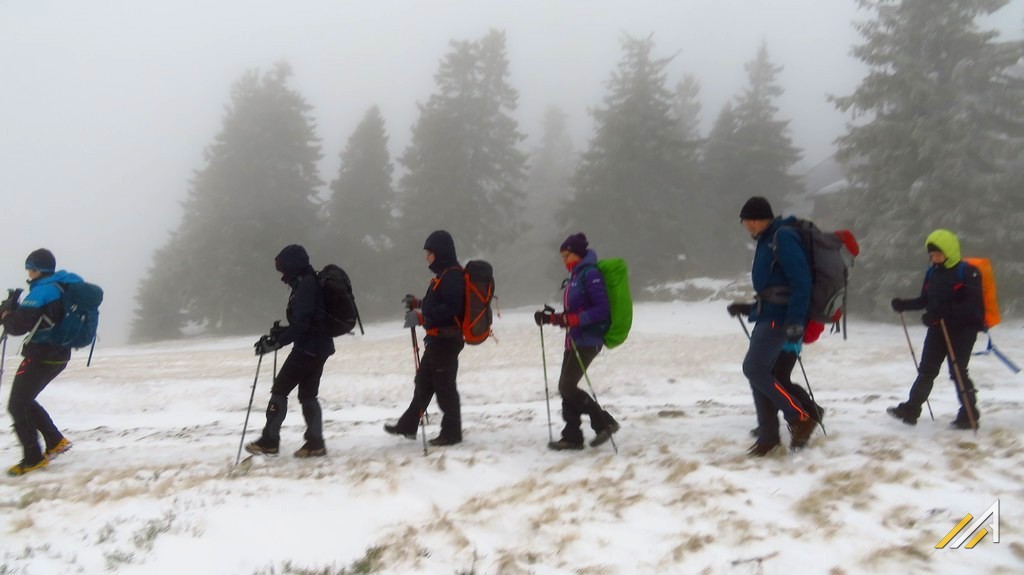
(952, 294)
(586, 317)
(43, 361)
(439, 312)
(781, 278)
(312, 345)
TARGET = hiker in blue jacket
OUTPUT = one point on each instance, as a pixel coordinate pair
(311, 346)
(439, 312)
(43, 361)
(952, 294)
(586, 317)
(782, 281)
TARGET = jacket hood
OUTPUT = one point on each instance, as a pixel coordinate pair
(291, 262)
(443, 247)
(946, 241)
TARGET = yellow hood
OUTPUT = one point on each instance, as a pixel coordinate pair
(946, 241)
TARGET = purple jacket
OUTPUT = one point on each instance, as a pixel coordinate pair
(585, 296)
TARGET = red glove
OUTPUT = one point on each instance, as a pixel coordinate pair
(565, 320)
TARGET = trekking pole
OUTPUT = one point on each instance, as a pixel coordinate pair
(547, 393)
(744, 326)
(416, 362)
(91, 347)
(959, 378)
(592, 392)
(3, 354)
(917, 368)
(810, 391)
(249, 409)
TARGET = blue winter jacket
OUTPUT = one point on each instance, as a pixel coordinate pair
(586, 296)
(41, 306)
(782, 280)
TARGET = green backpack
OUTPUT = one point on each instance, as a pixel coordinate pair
(616, 282)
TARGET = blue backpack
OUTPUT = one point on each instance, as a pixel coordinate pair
(77, 328)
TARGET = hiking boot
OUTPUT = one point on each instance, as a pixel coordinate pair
(258, 447)
(800, 433)
(22, 468)
(306, 451)
(393, 430)
(605, 434)
(441, 441)
(763, 448)
(901, 413)
(817, 413)
(755, 432)
(62, 446)
(566, 445)
(961, 424)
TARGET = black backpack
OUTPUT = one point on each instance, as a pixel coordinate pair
(342, 313)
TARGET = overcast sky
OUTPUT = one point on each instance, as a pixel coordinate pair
(106, 107)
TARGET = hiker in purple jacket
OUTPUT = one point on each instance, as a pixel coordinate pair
(586, 316)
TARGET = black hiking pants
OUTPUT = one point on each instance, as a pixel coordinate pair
(933, 355)
(575, 401)
(436, 376)
(30, 419)
(783, 372)
(303, 370)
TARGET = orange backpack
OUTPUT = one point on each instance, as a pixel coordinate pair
(476, 321)
(988, 290)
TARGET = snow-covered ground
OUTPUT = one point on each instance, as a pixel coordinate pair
(151, 486)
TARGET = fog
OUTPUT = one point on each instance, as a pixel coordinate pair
(107, 106)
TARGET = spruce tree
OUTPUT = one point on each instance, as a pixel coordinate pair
(255, 194)
(359, 229)
(530, 267)
(936, 130)
(464, 170)
(632, 189)
(749, 153)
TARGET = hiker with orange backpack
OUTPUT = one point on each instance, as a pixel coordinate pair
(954, 314)
(586, 317)
(439, 313)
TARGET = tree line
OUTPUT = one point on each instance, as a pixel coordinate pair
(935, 139)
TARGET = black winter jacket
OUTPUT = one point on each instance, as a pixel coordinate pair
(953, 294)
(307, 316)
(445, 301)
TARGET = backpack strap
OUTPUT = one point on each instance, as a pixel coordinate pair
(436, 282)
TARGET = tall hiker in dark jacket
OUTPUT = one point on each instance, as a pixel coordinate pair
(439, 312)
(586, 317)
(36, 315)
(782, 282)
(304, 366)
(951, 293)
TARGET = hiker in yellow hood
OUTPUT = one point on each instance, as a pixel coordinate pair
(951, 295)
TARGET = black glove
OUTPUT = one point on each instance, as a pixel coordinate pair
(931, 318)
(794, 333)
(738, 308)
(898, 305)
(11, 303)
(412, 319)
(277, 330)
(266, 344)
(411, 302)
(543, 317)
